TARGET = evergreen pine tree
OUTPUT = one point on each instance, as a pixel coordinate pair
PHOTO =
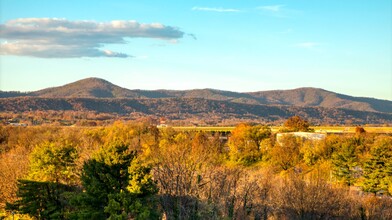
(42, 200)
(345, 163)
(42, 195)
(114, 187)
(377, 169)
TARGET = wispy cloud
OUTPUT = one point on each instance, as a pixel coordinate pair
(278, 11)
(307, 45)
(61, 38)
(271, 8)
(215, 9)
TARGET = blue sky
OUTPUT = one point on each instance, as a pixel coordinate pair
(248, 45)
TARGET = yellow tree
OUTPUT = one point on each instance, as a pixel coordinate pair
(287, 153)
(53, 162)
(244, 143)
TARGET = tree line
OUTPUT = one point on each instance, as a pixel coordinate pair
(181, 109)
(136, 171)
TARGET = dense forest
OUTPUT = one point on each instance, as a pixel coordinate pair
(136, 171)
(183, 109)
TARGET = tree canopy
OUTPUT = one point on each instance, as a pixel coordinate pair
(136, 171)
(296, 123)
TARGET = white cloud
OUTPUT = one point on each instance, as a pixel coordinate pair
(40, 49)
(215, 9)
(61, 38)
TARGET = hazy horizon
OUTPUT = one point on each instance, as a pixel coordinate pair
(247, 46)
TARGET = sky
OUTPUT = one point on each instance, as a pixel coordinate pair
(244, 46)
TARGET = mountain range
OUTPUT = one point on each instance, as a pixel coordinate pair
(94, 94)
(304, 97)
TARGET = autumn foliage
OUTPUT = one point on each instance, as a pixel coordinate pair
(137, 171)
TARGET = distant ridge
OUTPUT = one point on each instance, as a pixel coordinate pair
(322, 98)
(301, 97)
(188, 108)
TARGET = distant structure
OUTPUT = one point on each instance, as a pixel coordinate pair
(162, 123)
(18, 124)
(303, 135)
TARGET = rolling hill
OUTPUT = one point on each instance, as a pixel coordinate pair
(302, 97)
(321, 98)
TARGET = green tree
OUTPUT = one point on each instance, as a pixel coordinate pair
(377, 169)
(115, 187)
(345, 163)
(137, 201)
(42, 200)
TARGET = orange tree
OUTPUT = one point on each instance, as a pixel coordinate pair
(296, 123)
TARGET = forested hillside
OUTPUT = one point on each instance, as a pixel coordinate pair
(302, 97)
(184, 108)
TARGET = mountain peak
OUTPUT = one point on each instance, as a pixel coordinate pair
(93, 79)
(87, 88)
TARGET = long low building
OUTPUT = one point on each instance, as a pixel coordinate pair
(304, 135)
